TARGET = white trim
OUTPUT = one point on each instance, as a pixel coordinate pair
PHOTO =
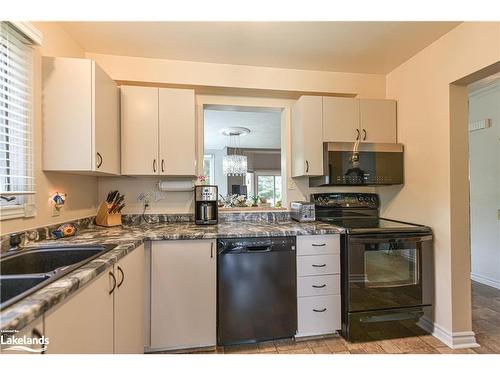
(30, 31)
(18, 211)
(485, 280)
(455, 340)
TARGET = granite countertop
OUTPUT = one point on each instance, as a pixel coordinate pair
(128, 238)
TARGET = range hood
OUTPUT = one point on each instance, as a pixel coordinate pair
(372, 164)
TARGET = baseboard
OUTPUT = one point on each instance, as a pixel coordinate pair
(485, 280)
(455, 340)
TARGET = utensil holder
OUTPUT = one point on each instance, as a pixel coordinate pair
(105, 219)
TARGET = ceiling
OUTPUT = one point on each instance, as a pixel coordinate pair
(364, 47)
(264, 128)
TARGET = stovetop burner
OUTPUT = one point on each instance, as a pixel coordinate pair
(372, 224)
(358, 213)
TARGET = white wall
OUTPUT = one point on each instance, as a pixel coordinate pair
(484, 149)
(436, 185)
(219, 179)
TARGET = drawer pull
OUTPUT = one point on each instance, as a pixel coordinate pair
(319, 244)
(322, 310)
(319, 286)
(319, 265)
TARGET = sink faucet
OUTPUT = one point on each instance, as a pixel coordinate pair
(15, 241)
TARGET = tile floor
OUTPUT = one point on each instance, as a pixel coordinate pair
(486, 325)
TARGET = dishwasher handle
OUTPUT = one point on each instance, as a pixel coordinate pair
(258, 249)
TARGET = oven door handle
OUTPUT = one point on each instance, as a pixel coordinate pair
(389, 239)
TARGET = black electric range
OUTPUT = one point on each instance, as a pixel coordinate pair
(386, 267)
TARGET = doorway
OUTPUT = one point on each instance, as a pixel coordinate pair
(484, 178)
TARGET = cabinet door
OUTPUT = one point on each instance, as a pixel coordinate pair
(67, 114)
(106, 105)
(378, 120)
(183, 294)
(177, 132)
(129, 303)
(307, 137)
(83, 324)
(340, 119)
(139, 133)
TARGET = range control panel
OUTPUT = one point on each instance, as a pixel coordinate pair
(354, 200)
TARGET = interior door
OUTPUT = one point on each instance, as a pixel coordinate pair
(106, 106)
(139, 134)
(177, 139)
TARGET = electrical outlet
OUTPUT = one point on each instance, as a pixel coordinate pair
(291, 184)
(55, 211)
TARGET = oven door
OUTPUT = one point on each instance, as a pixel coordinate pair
(388, 270)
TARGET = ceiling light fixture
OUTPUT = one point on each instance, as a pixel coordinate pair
(235, 164)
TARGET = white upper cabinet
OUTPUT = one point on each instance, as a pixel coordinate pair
(340, 119)
(378, 120)
(139, 108)
(80, 117)
(370, 120)
(177, 132)
(307, 137)
(158, 131)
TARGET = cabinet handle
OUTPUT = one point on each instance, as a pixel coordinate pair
(99, 161)
(154, 165)
(114, 282)
(357, 137)
(307, 166)
(364, 135)
(36, 333)
(319, 265)
(319, 244)
(162, 165)
(211, 249)
(319, 286)
(322, 310)
(123, 277)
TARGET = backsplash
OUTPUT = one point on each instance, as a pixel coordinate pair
(45, 232)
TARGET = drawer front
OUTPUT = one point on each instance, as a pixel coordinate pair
(318, 315)
(318, 285)
(315, 245)
(318, 265)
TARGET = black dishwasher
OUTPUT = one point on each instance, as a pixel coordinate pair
(257, 289)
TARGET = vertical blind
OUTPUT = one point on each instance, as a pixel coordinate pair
(16, 139)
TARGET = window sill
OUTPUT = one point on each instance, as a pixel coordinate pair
(17, 211)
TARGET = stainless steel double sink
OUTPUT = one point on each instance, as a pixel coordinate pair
(25, 271)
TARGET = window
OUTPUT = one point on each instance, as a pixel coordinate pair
(269, 187)
(16, 140)
(208, 169)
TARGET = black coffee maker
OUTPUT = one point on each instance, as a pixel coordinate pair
(205, 204)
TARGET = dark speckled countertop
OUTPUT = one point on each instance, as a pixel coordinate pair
(127, 239)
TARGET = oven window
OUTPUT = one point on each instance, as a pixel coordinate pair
(390, 267)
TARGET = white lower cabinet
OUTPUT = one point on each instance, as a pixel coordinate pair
(129, 304)
(83, 324)
(318, 315)
(318, 285)
(106, 316)
(183, 294)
